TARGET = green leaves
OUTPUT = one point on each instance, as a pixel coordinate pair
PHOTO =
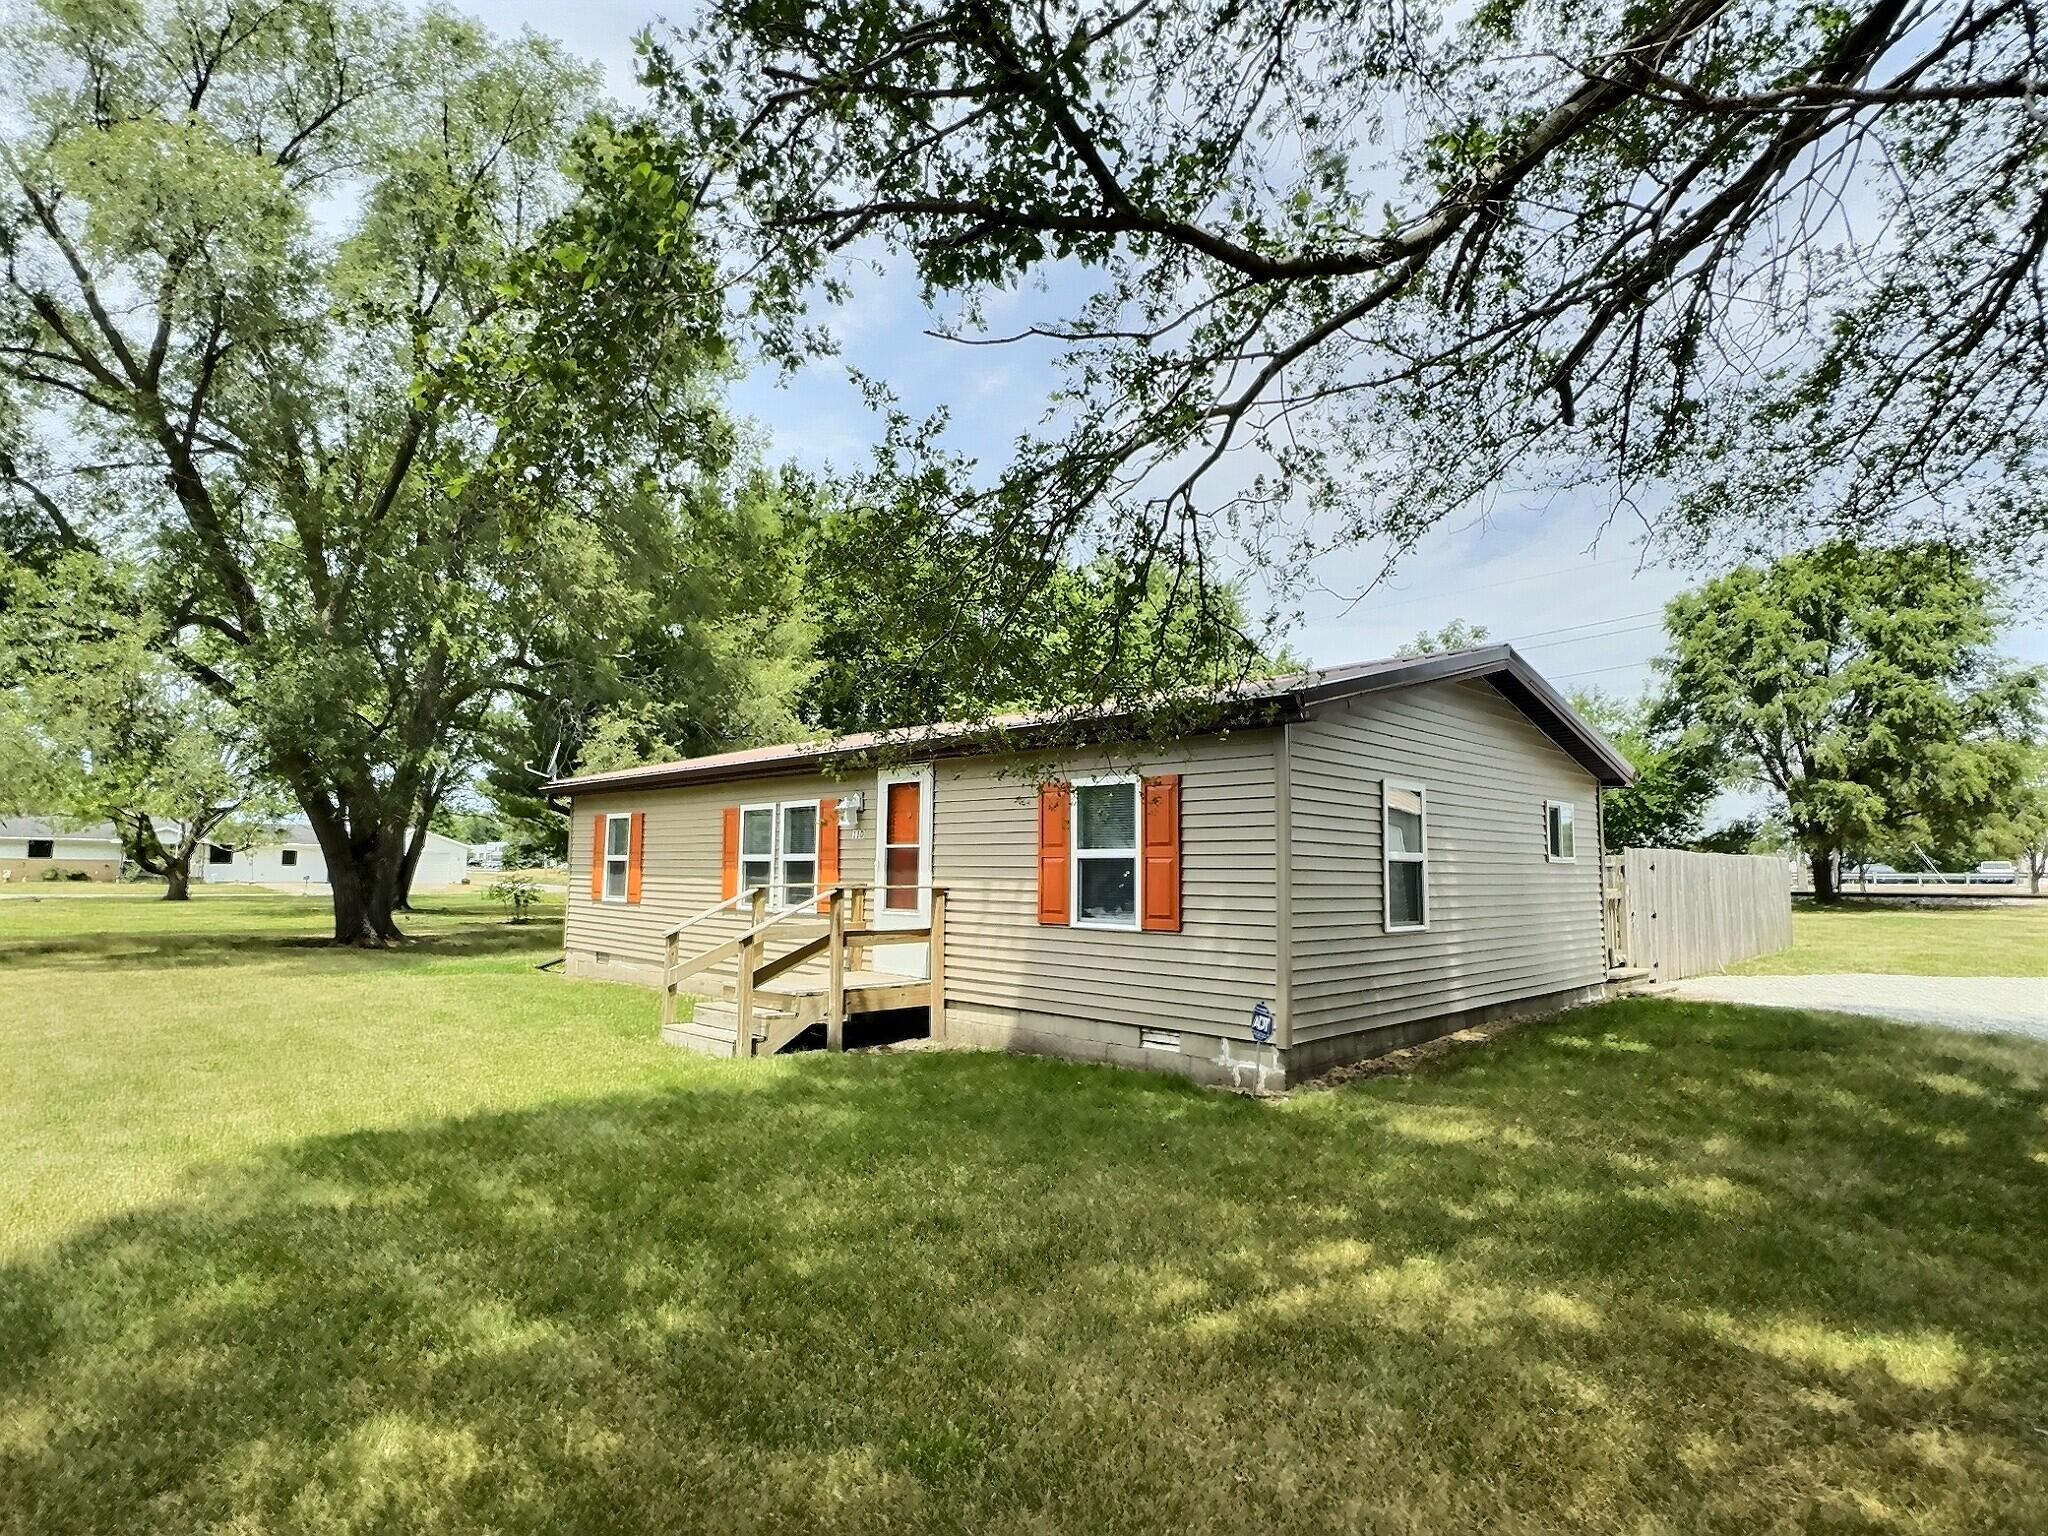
(1861, 686)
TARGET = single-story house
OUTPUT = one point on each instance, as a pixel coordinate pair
(291, 856)
(32, 846)
(1341, 862)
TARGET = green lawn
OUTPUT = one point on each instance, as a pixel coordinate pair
(2009, 939)
(304, 1241)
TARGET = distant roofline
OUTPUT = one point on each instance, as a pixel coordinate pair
(1258, 701)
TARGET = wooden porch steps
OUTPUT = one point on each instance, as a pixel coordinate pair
(774, 996)
(783, 1013)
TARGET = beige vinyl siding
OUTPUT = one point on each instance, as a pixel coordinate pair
(1504, 922)
(680, 865)
(1204, 978)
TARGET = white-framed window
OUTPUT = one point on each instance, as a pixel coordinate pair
(618, 852)
(1560, 846)
(1106, 864)
(757, 847)
(779, 851)
(1404, 874)
(797, 859)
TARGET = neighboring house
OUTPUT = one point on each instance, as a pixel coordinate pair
(292, 857)
(32, 846)
(1354, 859)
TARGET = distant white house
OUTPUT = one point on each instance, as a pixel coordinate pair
(293, 857)
(33, 846)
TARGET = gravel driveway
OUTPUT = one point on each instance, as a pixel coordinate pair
(2006, 1005)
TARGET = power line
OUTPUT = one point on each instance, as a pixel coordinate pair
(1606, 634)
(1568, 629)
(1596, 671)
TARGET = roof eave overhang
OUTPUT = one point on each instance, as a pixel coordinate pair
(1516, 681)
(1243, 714)
(1498, 665)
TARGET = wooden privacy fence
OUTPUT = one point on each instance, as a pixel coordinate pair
(1679, 914)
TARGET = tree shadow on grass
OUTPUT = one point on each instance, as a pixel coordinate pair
(1645, 1266)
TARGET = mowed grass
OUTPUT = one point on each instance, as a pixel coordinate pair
(429, 1242)
(140, 1038)
(1992, 939)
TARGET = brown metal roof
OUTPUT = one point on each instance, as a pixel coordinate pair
(1294, 695)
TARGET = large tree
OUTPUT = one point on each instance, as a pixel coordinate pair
(1858, 684)
(385, 358)
(719, 658)
(2019, 828)
(120, 735)
(1316, 274)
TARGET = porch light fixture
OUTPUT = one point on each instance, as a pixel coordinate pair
(850, 807)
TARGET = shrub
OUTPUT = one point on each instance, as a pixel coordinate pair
(517, 892)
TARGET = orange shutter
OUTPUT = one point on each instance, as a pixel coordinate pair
(729, 861)
(1055, 854)
(828, 851)
(1161, 848)
(597, 860)
(636, 844)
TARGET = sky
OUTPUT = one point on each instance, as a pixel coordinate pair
(1579, 599)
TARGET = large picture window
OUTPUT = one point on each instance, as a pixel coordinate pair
(618, 850)
(1106, 853)
(1559, 844)
(1405, 841)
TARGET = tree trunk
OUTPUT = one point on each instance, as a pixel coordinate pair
(409, 866)
(178, 880)
(361, 873)
(1824, 890)
(362, 900)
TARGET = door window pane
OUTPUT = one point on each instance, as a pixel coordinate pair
(1107, 816)
(901, 873)
(1109, 890)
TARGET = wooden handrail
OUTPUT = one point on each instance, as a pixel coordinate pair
(851, 933)
(691, 922)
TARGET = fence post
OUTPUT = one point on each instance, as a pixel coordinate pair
(750, 951)
(668, 980)
(835, 994)
(937, 965)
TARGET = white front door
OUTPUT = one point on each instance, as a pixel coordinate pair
(902, 896)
